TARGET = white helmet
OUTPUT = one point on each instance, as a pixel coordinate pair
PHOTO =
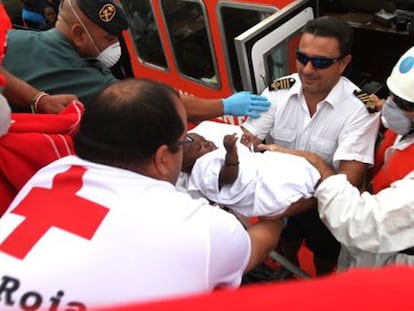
(401, 80)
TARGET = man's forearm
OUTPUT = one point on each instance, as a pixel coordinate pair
(199, 109)
(17, 91)
(264, 237)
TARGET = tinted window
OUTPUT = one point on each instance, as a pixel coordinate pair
(190, 39)
(144, 31)
(235, 20)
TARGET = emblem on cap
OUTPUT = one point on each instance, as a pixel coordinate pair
(107, 13)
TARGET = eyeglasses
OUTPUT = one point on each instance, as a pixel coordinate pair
(402, 103)
(317, 62)
(188, 143)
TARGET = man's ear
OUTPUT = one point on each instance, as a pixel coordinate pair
(162, 158)
(345, 62)
(78, 36)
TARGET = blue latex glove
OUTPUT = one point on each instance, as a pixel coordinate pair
(245, 104)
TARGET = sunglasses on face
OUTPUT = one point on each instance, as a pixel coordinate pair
(402, 104)
(317, 62)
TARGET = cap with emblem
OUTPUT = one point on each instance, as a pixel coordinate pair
(106, 14)
(401, 80)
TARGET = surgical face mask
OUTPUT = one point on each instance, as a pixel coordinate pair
(107, 57)
(110, 55)
(394, 118)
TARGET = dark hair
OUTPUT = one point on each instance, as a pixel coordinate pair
(328, 26)
(127, 122)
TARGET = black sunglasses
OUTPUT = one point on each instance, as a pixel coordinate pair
(317, 62)
(402, 103)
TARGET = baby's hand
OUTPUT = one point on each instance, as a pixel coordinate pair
(229, 142)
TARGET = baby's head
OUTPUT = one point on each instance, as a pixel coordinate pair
(198, 147)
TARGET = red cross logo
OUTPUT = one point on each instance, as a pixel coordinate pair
(58, 207)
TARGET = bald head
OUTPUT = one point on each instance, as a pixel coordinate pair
(128, 121)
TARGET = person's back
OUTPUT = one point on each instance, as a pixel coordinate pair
(120, 244)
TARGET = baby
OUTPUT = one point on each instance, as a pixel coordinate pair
(250, 183)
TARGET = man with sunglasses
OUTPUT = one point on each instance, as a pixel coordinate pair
(376, 229)
(319, 112)
(75, 58)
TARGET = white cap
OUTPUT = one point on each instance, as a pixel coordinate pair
(401, 80)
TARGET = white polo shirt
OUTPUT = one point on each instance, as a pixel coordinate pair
(341, 128)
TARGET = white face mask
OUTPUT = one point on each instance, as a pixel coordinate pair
(107, 57)
(394, 118)
(111, 55)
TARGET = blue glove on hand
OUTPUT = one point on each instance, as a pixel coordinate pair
(245, 104)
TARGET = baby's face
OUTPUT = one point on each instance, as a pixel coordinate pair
(199, 147)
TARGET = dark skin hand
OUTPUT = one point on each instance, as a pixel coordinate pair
(230, 169)
(21, 93)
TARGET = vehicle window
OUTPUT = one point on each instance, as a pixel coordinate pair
(144, 31)
(236, 19)
(276, 64)
(190, 39)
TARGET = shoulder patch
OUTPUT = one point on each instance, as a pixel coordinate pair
(367, 100)
(281, 83)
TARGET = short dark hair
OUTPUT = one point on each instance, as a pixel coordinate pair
(127, 122)
(329, 26)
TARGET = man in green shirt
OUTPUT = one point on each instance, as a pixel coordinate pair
(75, 56)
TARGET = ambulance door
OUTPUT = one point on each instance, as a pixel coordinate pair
(267, 50)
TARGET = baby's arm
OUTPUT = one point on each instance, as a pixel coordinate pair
(230, 169)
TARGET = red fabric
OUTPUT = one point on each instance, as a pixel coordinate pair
(33, 141)
(5, 25)
(399, 164)
(388, 288)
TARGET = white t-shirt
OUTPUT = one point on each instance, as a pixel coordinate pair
(267, 183)
(108, 236)
(341, 128)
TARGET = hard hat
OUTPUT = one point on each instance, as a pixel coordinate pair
(401, 80)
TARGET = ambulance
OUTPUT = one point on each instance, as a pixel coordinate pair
(214, 48)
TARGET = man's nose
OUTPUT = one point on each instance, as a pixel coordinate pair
(308, 67)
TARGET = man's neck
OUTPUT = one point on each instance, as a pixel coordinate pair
(313, 99)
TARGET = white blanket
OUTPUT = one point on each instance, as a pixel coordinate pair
(268, 183)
